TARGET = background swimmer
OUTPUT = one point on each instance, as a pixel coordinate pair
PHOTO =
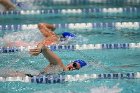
(29, 38)
(8, 5)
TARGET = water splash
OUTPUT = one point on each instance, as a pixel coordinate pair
(26, 5)
(23, 37)
(79, 39)
(32, 37)
(28, 36)
(105, 89)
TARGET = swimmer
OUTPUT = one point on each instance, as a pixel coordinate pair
(55, 60)
(7, 4)
(55, 66)
(47, 31)
(50, 37)
(55, 63)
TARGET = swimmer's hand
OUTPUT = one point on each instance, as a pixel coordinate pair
(35, 51)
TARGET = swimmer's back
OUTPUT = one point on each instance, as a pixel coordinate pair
(53, 69)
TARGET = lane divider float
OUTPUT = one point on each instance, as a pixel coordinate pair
(73, 26)
(51, 79)
(103, 11)
(73, 2)
(74, 47)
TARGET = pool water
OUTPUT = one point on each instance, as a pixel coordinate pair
(98, 60)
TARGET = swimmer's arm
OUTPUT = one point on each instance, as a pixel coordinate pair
(48, 54)
(46, 26)
(50, 26)
(7, 4)
(46, 32)
(52, 57)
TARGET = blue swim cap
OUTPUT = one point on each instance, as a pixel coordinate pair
(68, 35)
(81, 62)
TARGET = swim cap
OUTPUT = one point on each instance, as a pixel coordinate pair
(68, 35)
(81, 62)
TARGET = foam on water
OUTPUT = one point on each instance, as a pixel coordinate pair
(79, 39)
(24, 36)
(105, 89)
(29, 36)
(101, 89)
(26, 5)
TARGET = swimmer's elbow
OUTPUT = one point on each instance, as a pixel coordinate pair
(41, 25)
(56, 61)
(59, 60)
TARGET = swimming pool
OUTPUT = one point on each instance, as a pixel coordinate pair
(116, 46)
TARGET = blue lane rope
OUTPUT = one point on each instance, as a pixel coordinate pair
(9, 50)
(73, 2)
(74, 47)
(117, 76)
(51, 79)
(48, 79)
(101, 25)
(61, 78)
(106, 11)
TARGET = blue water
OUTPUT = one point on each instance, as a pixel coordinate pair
(118, 60)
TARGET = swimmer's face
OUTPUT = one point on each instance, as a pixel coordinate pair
(73, 66)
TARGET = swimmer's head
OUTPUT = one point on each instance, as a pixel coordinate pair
(68, 35)
(76, 65)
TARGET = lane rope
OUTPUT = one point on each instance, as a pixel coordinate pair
(74, 47)
(132, 10)
(74, 26)
(73, 2)
(69, 78)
